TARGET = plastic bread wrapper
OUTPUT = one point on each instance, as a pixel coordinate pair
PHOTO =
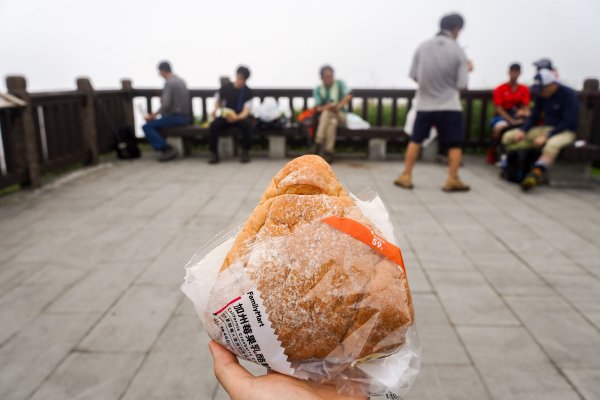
(234, 314)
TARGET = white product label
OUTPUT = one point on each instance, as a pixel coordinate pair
(247, 331)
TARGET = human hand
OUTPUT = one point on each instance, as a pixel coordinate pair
(523, 112)
(231, 118)
(540, 140)
(242, 385)
(470, 66)
(149, 117)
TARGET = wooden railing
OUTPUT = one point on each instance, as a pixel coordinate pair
(59, 129)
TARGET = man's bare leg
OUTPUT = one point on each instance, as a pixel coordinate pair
(454, 159)
(454, 184)
(410, 158)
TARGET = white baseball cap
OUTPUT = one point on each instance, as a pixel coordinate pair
(544, 77)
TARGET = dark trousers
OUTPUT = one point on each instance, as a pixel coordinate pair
(221, 125)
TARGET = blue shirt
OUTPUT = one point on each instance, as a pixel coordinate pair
(560, 111)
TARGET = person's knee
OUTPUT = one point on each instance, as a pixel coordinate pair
(147, 128)
(325, 115)
(509, 137)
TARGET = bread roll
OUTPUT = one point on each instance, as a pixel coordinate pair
(328, 295)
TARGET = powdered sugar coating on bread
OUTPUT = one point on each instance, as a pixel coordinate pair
(329, 296)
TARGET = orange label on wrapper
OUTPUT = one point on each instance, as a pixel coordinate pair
(360, 232)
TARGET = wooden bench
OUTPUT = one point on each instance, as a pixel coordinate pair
(574, 161)
(297, 100)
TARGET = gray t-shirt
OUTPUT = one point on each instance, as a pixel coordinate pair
(175, 98)
(440, 68)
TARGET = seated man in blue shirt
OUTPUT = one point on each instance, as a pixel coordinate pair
(557, 105)
(175, 110)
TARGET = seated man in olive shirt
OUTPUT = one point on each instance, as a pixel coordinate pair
(236, 97)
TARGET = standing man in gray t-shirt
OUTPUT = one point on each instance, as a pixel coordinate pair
(440, 67)
(175, 110)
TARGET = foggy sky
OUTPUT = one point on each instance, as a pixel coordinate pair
(370, 43)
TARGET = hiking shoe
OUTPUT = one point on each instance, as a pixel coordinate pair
(532, 179)
(245, 158)
(455, 185)
(404, 181)
(214, 158)
(329, 157)
(167, 154)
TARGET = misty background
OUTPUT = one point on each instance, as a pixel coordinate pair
(369, 43)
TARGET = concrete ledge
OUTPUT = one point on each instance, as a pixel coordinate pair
(277, 147)
(570, 174)
(429, 151)
(226, 147)
(180, 144)
(377, 149)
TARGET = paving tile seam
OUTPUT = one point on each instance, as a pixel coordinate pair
(150, 349)
(524, 262)
(447, 315)
(76, 347)
(551, 360)
(44, 307)
(523, 326)
(536, 210)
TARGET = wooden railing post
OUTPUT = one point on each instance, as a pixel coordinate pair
(588, 109)
(127, 88)
(26, 142)
(90, 130)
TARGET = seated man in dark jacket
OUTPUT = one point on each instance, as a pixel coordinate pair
(233, 105)
(558, 107)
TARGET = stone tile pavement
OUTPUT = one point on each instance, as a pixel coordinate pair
(506, 285)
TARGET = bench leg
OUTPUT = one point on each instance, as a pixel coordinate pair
(429, 152)
(226, 147)
(377, 149)
(277, 147)
(180, 144)
(570, 174)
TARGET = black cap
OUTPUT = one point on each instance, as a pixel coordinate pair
(164, 66)
(543, 63)
(451, 22)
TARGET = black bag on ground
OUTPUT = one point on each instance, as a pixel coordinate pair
(126, 146)
(519, 163)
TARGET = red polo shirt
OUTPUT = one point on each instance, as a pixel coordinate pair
(507, 98)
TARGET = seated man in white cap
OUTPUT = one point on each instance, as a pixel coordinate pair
(559, 107)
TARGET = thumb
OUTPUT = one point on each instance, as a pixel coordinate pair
(231, 375)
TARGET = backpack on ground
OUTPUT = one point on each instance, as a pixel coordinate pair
(126, 146)
(518, 163)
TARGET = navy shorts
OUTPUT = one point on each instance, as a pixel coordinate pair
(449, 126)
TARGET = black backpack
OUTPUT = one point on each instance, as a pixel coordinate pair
(126, 146)
(519, 163)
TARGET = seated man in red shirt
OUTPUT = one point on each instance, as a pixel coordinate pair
(512, 107)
